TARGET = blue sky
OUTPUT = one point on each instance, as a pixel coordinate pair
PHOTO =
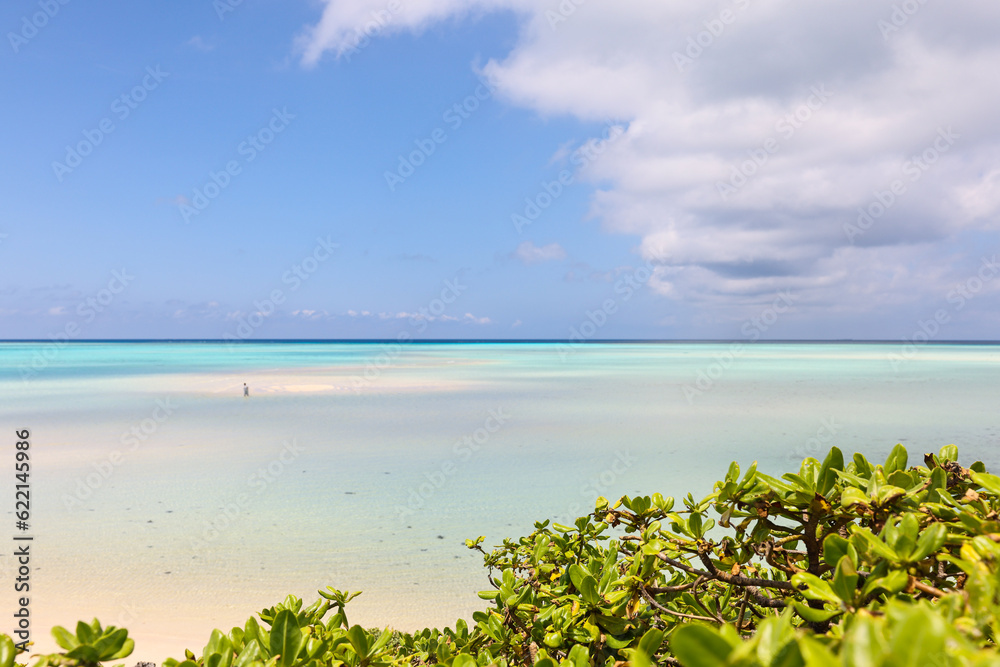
(713, 158)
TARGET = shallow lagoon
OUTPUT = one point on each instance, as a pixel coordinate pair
(166, 502)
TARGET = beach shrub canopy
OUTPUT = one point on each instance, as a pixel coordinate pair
(843, 563)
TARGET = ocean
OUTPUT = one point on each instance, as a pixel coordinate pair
(165, 501)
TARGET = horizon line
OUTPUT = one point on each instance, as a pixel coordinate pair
(605, 341)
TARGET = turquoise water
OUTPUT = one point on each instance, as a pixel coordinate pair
(165, 501)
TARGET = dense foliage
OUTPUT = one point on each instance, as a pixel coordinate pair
(843, 563)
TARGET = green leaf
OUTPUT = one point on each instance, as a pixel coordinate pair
(862, 647)
(888, 494)
(612, 624)
(920, 634)
(910, 525)
(816, 654)
(579, 656)
(381, 642)
(359, 640)
(464, 660)
(845, 580)
(816, 588)
(84, 653)
(66, 639)
(861, 466)
(215, 643)
(874, 544)
(85, 633)
(252, 630)
(250, 653)
(905, 540)
(834, 548)
(700, 646)
(544, 660)
(111, 643)
(853, 496)
(286, 638)
(774, 638)
(852, 479)
(638, 659)
(695, 525)
(948, 453)
(749, 477)
(803, 484)
(989, 482)
(827, 473)
(815, 615)
(651, 641)
(585, 583)
(8, 652)
(893, 583)
(896, 461)
(931, 541)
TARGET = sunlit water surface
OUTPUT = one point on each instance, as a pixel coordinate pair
(165, 501)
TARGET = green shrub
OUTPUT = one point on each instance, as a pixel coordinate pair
(843, 563)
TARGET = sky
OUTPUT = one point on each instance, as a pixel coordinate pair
(490, 169)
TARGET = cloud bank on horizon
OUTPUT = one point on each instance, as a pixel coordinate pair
(844, 151)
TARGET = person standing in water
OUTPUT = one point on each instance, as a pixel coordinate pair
(246, 390)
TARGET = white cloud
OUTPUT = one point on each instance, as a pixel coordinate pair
(468, 318)
(529, 253)
(834, 106)
(345, 22)
(199, 44)
(472, 319)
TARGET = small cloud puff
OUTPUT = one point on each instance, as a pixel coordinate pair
(529, 253)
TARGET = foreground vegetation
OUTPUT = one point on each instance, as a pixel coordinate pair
(844, 563)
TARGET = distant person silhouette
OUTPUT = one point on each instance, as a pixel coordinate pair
(246, 390)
